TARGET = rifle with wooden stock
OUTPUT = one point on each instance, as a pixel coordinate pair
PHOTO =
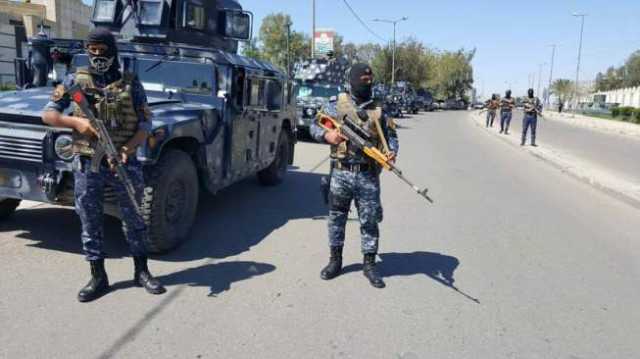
(361, 138)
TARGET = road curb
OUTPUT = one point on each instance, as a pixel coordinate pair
(600, 179)
(619, 128)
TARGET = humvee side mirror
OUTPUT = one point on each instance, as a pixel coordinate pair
(237, 25)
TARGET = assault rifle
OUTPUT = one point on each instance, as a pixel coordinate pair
(105, 146)
(361, 138)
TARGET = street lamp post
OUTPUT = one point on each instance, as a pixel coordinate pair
(313, 30)
(540, 66)
(393, 57)
(553, 55)
(581, 16)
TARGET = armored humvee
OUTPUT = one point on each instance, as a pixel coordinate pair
(217, 117)
(317, 81)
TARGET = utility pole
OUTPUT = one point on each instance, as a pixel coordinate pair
(313, 30)
(553, 55)
(581, 16)
(393, 59)
(288, 49)
(540, 66)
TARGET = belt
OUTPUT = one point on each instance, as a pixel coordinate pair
(354, 167)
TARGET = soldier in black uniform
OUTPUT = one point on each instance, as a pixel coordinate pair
(532, 108)
(128, 127)
(506, 110)
(492, 106)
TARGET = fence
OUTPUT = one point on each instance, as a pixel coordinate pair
(624, 97)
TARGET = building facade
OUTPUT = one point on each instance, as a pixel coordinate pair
(20, 20)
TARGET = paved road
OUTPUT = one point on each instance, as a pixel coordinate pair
(615, 153)
(553, 263)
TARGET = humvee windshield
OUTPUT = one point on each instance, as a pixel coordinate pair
(316, 91)
(176, 76)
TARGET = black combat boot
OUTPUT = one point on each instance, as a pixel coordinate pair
(98, 285)
(369, 270)
(334, 268)
(144, 279)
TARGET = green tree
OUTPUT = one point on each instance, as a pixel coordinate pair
(632, 70)
(252, 49)
(563, 89)
(273, 41)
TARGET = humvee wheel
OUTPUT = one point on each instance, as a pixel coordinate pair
(8, 206)
(170, 201)
(275, 173)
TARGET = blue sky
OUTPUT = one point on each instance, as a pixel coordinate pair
(511, 37)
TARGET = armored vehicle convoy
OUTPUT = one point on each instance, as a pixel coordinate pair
(317, 81)
(217, 117)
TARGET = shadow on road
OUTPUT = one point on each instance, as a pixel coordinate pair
(227, 224)
(436, 266)
(217, 276)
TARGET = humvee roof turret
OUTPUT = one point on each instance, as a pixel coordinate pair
(317, 81)
(210, 23)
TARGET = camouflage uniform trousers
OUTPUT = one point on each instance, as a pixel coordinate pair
(505, 120)
(364, 189)
(529, 121)
(89, 199)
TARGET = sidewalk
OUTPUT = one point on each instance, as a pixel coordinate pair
(601, 159)
(597, 124)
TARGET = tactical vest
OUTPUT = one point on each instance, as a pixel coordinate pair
(507, 104)
(493, 105)
(345, 107)
(117, 112)
(531, 105)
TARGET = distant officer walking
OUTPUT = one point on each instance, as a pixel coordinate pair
(506, 111)
(492, 106)
(129, 125)
(355, 176)
(532, 108)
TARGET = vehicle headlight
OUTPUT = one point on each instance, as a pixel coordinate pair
(311, 112)
(64, 147)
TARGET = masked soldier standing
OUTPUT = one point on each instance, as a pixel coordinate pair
(492, 106)
(506, 107)
(129, 122)
(355, 176)
(532, 108)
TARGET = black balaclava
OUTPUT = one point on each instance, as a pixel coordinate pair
(508, 94)
(494, 97)
(530, 93)
(360, 88)
(109, 60)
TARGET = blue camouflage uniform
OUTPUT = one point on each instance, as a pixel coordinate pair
(532, 107)
(89, 187)
(363, 187)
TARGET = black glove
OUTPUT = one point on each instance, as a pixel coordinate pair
(363, 115)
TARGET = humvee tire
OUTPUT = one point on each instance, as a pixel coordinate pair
(275, 173)
(8, 206)
(170, 201)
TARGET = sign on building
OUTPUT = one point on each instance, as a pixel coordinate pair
(323, 40)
